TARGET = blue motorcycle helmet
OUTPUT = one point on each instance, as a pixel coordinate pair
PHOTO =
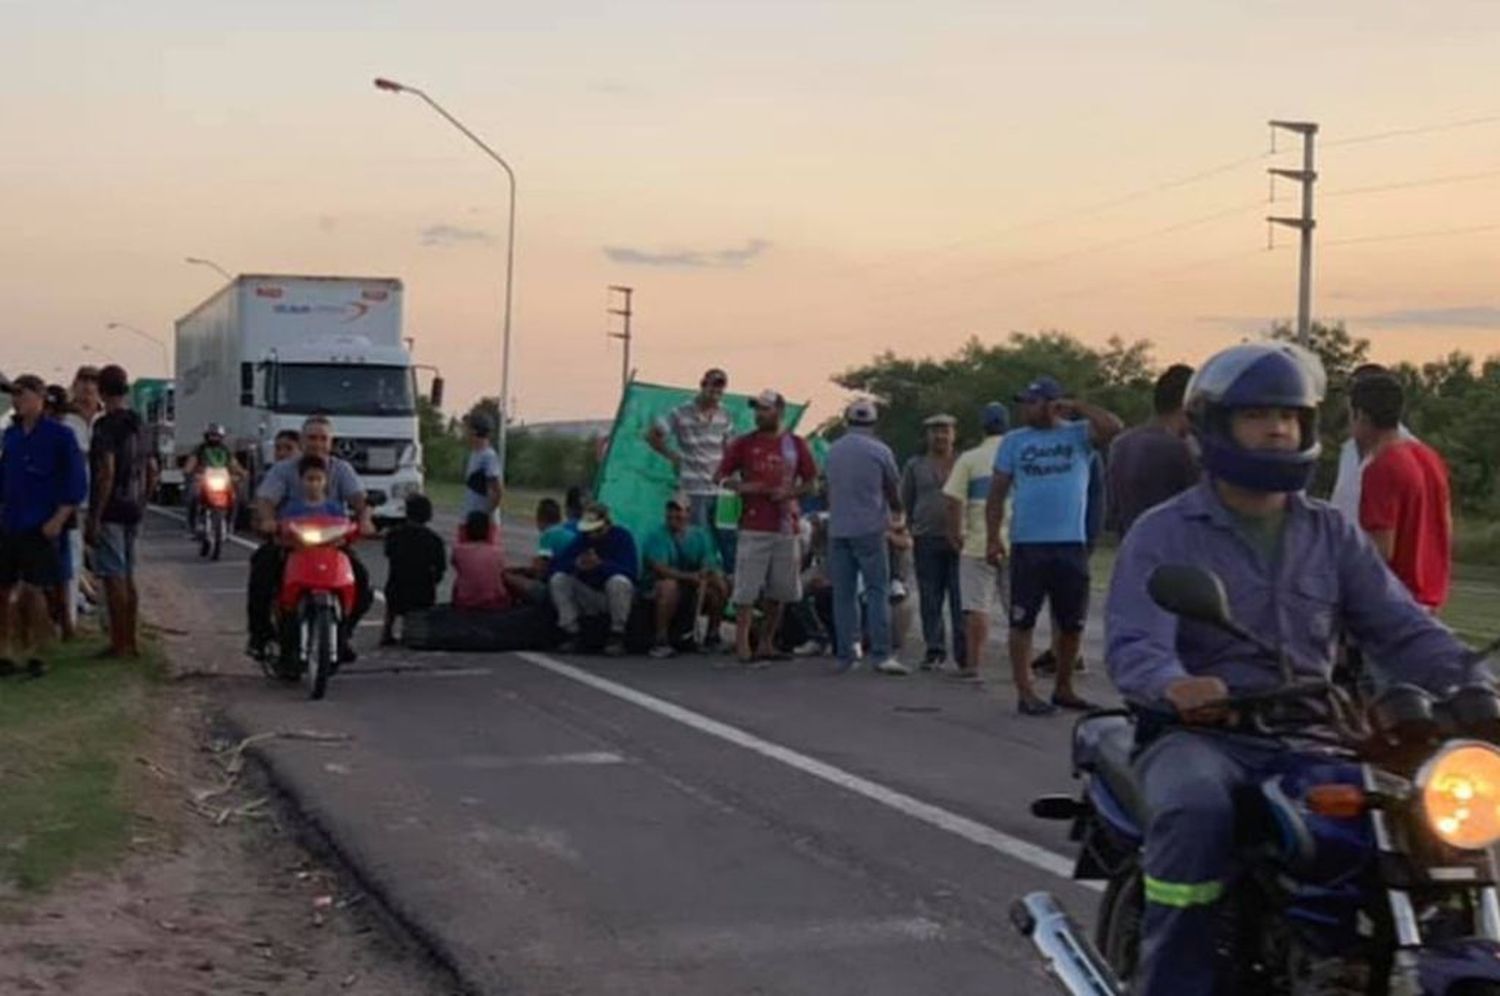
(1257, 375)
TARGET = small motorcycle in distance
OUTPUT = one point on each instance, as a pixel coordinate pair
(317, 595)
(215, 510)
(1367, 867)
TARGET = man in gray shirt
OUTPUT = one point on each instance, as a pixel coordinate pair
(936, 560)
(279, 486)
(863, 498)
(1152, 462)
(482, 487)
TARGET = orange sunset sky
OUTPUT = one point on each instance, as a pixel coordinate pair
(790, 187)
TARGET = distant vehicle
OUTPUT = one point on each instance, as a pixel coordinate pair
(153, 398)
(267, 351)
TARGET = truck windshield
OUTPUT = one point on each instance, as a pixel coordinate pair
(343, 389)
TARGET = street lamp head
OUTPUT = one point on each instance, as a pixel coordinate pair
(381, 83)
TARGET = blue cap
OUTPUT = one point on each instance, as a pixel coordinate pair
(1044, 388)
(995, 417)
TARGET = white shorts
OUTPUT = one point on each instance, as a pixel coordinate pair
(980, 585)
(767, 565)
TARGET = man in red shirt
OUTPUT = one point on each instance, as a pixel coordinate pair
(769, 469)
(1404, 496)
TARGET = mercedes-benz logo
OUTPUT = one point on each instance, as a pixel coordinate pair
(345, 449)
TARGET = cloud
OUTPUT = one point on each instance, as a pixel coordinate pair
(452, 235)
(1472, 316)
(734, 256)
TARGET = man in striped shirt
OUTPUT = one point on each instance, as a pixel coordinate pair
(698, 432)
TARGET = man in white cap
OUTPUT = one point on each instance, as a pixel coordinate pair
(864, 501)
(769, 469)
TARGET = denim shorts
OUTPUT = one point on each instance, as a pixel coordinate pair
(114, 556)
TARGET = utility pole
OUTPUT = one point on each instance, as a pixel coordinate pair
(1304, 223)
(623, 335)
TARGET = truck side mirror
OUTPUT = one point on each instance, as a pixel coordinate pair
(247, 384)
(437, 392)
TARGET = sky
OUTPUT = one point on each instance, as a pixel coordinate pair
(790, 187)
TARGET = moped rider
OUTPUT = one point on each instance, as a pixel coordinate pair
(1297, 572)
(210, 453)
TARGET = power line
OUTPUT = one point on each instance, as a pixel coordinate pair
(1430, 233)
(1380, 136)
(1435, 181)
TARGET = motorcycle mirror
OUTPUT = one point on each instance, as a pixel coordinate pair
(1193, 593)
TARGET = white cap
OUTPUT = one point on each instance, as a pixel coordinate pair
(861, 412)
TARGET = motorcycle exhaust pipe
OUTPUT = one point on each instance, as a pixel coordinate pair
(1070, 957)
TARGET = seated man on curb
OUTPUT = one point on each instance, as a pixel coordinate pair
(682, 564)
(595, 574)
(529, 583)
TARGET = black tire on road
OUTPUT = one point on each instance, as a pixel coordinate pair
(323, 653)
(1118, 935)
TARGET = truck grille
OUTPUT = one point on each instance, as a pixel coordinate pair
(369, 456)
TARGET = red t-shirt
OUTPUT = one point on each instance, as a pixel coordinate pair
(478, 581)
(1405, 490)
(773, 461)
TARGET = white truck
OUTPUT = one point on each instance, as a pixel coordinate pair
(267, 351)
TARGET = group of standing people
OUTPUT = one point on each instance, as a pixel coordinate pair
(76, 472)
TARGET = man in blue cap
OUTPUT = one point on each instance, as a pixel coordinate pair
(1046, 466)
(980, 583)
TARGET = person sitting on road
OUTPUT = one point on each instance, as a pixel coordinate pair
(211, 452)
(417, 562)
(528, 584)
(479, 565)
(682, 570)
(1297, 572)
(595, 575)
(313, 472)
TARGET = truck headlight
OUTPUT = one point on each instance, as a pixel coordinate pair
(1460, 788)
(402, 490)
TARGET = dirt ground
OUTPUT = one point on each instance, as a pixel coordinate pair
(216, 896)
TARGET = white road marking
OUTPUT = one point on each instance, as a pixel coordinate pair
(943, 819)
(492, 762)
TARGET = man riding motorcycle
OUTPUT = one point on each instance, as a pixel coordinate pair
(1296, 572)
(281, 485)
(211, 452)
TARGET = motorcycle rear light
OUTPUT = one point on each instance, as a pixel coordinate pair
(1336, 800)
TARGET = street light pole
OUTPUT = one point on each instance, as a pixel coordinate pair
(197, 261)
(166, 356)
(391, 86)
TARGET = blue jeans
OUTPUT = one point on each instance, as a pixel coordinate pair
(849, 558)
(937, 579)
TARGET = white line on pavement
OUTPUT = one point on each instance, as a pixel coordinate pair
(960, 826)
(490, 762)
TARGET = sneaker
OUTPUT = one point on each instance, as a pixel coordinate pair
(1035, 707)
(810, 648)
(847, 667)
(658, 652)
(892, 666)
(616, 646)
(934, 660)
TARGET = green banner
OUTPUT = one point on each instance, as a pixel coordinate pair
(635, 481)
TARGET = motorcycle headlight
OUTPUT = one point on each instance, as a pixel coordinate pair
(1460, 788)
(312, 535)
(217, 480)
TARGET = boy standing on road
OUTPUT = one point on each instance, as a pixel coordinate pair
(1047, 463)
(41, 486)
(124, 474)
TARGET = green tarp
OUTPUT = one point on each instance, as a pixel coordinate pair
(634, 480)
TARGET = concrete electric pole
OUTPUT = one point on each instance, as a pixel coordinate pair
(623, 335)
(1304, 223)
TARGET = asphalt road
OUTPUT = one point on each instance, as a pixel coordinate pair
(580, 825)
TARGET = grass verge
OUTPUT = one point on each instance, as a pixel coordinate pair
(65, 746)
(447, 496)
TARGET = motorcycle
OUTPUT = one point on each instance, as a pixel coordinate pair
(1366, 867)
(215, 512)
(317, 594)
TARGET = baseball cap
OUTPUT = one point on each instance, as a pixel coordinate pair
(942, 418)
(595, 517)
(480, 423)
(26, 382)
(768, 399)
(861, 412)
(995, 417)
(1044, 388)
